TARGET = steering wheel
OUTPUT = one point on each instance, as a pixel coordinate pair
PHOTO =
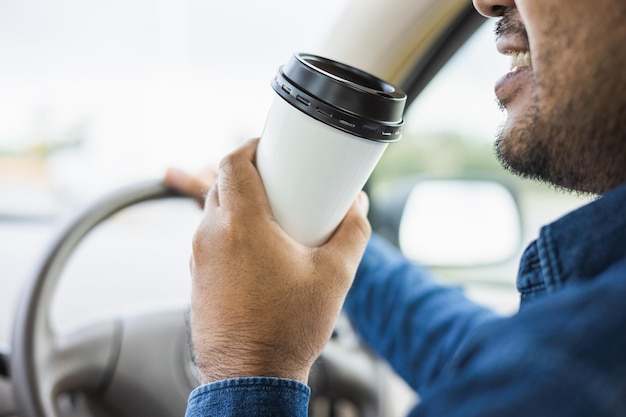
(140, 364)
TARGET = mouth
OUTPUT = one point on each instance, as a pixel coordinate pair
(512, 40)
(509, 86)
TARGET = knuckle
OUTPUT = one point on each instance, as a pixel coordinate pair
(227, 162)
(199, 240)
(235, 183)
(225, 230)
(330, 268)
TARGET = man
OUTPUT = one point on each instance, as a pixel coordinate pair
(264, 308)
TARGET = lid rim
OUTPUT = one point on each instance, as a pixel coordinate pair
(342, 86)
(392, 92)
(374, 130)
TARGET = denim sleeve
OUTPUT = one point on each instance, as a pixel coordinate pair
(561, 356)
(406, 317)
(250, 397)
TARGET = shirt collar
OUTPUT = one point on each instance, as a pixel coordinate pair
(578, 246)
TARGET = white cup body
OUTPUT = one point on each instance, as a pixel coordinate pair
(312, 172)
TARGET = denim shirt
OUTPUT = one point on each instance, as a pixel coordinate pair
(562, 354)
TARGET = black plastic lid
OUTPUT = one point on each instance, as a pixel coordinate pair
(342, 96)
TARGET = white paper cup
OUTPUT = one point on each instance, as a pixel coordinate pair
(325, 132)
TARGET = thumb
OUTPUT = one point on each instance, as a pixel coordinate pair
(351, 237)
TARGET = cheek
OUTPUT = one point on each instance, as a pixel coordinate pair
(553, 34)
(568, 24)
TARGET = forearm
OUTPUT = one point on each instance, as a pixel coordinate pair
(408, 318)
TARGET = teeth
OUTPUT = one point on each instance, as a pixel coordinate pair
(520, 60)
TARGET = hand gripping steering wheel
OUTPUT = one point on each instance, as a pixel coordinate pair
(141, 364)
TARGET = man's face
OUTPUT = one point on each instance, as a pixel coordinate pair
(565, 96)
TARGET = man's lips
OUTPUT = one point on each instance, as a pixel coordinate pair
(517, 48)
(520, 69)
(511, 82)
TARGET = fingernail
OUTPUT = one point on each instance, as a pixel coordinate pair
(174, 173)
(363, 203)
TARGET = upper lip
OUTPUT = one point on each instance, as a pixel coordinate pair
(507, 45)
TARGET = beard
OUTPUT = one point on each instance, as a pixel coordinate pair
(577, 146)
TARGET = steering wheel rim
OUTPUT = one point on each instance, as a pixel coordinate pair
(34, 348)
(32, 318)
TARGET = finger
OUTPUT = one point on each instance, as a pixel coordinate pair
(239, 184)
(350, 239)
(185, 183)
(212, 198)
(208, 175)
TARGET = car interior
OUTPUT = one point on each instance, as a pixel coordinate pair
(95, 248)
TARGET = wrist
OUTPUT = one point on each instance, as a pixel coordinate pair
(245, 361)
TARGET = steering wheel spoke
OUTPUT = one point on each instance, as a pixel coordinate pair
(80, 361)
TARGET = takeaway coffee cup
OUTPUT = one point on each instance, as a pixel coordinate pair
(327, 128)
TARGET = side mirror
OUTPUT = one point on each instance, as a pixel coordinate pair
(454, 223)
